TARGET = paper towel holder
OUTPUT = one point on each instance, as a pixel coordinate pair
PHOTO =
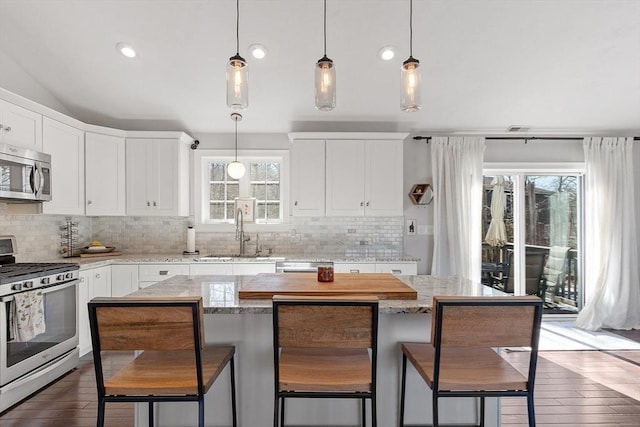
(195, 251)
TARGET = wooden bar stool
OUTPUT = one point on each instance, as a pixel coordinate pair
(174, 364)
(461, 360)
(325, 347)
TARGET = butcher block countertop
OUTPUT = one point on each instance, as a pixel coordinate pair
(382, 285)
(221, 294)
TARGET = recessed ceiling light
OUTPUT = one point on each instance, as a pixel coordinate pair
(126, 50)
(387, 53)
(258, 51)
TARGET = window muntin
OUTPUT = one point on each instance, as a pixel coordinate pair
(263, 181)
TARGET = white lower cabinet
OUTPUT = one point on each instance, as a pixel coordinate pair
(210, 269)
(148, 274)
(397, 268)
(251, 268)
(354, 267)
(95, 282)
(124, 279)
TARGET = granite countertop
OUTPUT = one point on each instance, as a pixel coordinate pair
(132, 258)
(220, 293)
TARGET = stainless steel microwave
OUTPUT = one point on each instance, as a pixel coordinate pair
(25, 175)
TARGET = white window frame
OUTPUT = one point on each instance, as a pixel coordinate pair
(202, 158)
(518, 171)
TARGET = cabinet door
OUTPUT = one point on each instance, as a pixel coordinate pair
(210, 268)
(138, 153)
(165, 177)
(100, 282)
(124, 279)
(251, 268)
(84, 333)
(20, 126)
(384, 178)
(105, 174)
(345, 177)
(65, 144)
(308, 178)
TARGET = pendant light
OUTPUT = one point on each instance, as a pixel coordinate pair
(237, 74)
(235, 169)
(410, 86)
(325, 76)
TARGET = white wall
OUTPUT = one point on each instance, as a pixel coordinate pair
(14, 79)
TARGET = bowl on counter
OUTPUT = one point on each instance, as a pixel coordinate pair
(97, 249)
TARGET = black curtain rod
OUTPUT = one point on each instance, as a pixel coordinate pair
(526, 138)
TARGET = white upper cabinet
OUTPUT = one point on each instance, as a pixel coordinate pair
(105, 174)
(65, 144)
(19, 126)
(308, 177)
(364, 177)
(158, 176)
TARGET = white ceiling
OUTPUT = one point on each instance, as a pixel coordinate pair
(551, 65)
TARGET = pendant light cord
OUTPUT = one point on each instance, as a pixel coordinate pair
(410, 28)
(325, 27)
(237, 27)
(236, 123)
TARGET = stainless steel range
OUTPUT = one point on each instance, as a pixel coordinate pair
(38, 323)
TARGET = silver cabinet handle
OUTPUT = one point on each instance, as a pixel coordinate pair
(154, 204)
(148, 203)
(164, 272)
(7, 129)
(295, 203)
(361, 203)
(97, 275)
(81, 279)
(396, 271)
(367, 203)
(88, 202)
(354, 270)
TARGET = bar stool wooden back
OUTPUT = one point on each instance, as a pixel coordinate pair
(174, 364)
(325, 347)
(461, 360)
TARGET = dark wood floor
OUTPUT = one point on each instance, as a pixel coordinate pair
(573, 388)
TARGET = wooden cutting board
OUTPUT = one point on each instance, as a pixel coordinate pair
(382, 285)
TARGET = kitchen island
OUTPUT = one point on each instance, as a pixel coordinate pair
(247, 324)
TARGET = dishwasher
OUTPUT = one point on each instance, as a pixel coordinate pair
(300, 266)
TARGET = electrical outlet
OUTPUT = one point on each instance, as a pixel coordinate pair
(412, 225)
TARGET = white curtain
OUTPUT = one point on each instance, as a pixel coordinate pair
(612, 276)
(457, 186)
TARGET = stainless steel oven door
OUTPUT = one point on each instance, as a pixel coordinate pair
(18, 357)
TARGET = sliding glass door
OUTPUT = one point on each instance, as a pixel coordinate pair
(532, 228)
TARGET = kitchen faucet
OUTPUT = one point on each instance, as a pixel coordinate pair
(240, 231)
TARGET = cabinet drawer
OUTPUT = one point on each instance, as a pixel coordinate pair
(213, 268)
(158, 272)
(354, 267)
(408, 268)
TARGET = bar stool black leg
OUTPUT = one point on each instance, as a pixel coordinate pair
(151, 414)
(404, 380)
(481, 411)
(232, 372)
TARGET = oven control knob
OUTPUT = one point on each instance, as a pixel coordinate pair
(16, 287)
(60, 277)
(45, 281)
(68, 276)
(28, 285)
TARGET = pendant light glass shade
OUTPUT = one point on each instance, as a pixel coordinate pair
(325, 83)
(236, 169)
(410, 97)
(237, 83)
(237, 74)
(410, 75)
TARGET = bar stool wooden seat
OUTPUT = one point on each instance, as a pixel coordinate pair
(325, 347)
(461, 360)
(174, 364)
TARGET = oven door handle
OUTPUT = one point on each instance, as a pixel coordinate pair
(46, 290)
